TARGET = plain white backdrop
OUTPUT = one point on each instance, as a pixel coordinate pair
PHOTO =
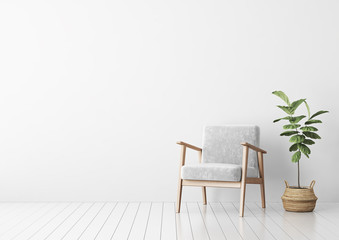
(94, 94)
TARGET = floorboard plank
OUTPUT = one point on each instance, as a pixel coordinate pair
(225, 222)
(20, 217)
(70, 222)
(136, 221)
(126, 223)
(15, 211)
(266, 220)
(306, 223)
(52, 225)
(317, 222)
(84, 222)
(184, 227)
(197, 222)
(28, 221)
(245, 230)
(260, 229)
(153, 228)
(108, 223)
(287, 226)
(8, 209)
(329, 211)
(212, 225)
(324, 223)
(168, 230)
(41, 222)
(139, 226)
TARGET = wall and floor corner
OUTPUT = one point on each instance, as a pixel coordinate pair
(94, 94)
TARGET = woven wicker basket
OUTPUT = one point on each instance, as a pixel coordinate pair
(299, 200)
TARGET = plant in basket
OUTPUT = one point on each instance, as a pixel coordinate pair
(302, 133)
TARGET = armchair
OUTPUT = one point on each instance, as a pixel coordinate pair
(224, 161)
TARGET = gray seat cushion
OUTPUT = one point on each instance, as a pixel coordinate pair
(221, 144)
(215, 172)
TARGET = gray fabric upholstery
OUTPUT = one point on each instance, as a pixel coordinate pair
(221, 144)
(215, 172)
(222, 154)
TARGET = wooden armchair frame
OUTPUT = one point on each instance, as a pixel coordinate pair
(242, 184)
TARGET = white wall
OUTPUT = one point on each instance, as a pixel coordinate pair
(94, 94)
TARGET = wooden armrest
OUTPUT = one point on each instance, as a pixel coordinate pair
(189, 146)
(253, 147)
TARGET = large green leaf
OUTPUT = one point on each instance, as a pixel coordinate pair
(318, 113)
(294, 147)
(291, 119)
(308, 141)
(297, 138)
(291, 126)
(309, 122)
(296, 156)
(284, 118)
(296, 104)
(296, 119)
(283, 96)
(312, 135)
(286, 109)
(309, 128)
(304, 149)
(289, 133)
(308, 109)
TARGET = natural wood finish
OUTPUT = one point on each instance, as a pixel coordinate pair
(299, 199)
(203, 189)
(189, 146)
(252, 180)
(253, 147)
(242, 184)
(261, 174)
(204, 198)
(199, 183)
(182, 163)
(243, 181)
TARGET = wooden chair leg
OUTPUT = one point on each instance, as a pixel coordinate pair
(262, 189)
(243, 181)
(179, 196)
(182, 163)
(242, 200)
(204, 199)
(262, 185)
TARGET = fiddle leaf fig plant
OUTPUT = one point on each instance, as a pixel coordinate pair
(298, 128)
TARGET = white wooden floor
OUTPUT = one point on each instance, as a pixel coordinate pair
(134, 220)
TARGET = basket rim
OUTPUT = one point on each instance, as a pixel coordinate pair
(301, 188)
(299, 200)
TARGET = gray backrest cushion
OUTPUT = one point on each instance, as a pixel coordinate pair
(221, 144)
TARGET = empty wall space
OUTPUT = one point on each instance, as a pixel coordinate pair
(95, 94)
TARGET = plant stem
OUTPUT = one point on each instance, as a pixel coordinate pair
(298, 165)
(298, 161)
(298, 175)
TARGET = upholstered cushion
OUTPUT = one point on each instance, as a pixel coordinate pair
(221, 144)
(215, 172)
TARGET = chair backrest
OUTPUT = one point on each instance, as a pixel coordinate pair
(221, 144)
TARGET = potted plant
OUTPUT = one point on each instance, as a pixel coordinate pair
(302, 134)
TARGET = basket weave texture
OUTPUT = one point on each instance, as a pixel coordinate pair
(299, 200)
